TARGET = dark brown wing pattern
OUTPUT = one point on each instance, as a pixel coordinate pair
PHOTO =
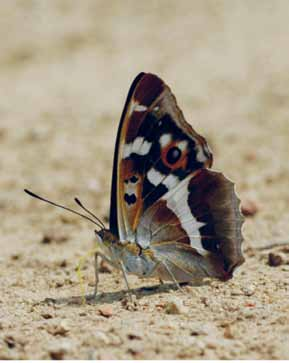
(197, 226)
(155, 150)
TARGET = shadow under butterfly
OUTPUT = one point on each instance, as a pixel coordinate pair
(170, 216)
(120, 295)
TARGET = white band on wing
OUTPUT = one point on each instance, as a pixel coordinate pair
(177, 201)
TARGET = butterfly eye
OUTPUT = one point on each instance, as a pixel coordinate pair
(173, 155)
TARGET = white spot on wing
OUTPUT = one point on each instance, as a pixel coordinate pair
(154, 176)
(201, 157)
(137, 143)
(165, 139)
(140, 108)
(127, 150)
(183, 145)
(177, 201)
(136, 107)
(130, 189)
(145, 148)
(138, 146)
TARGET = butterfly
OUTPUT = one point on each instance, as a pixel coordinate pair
(171, 217)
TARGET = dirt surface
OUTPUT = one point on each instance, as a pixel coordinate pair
(65, 69)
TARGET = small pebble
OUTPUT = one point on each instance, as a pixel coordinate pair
(212, 344)
(15, 256)
(106, 311)
(276, 259)
(58, 329)
(249, 208)
(59, 282)
(62, 263)
(134, 336)
(57, 350)
(101, 338)
(248, 314)
(57, 354)
(135, 351)
(51, 236)
(236, 292)
(46, 316)
(130, 303)
(175, 306)
(228, 332)
(161, 304)
(10, 341)
(250, 156)
(105, 267)
(205, 301)
(198, 329)
(249, 290)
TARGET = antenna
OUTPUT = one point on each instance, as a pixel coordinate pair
(89, 212)
(100, 225)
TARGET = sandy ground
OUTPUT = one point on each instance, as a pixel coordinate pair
(65, 69)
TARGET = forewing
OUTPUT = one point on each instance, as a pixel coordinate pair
(197, 225)
(155, 150)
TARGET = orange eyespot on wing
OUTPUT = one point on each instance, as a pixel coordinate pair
(174, 156)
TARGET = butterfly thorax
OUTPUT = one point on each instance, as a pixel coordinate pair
(133, 258)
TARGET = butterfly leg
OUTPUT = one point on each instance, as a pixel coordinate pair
(96, 274)
(151, 273)
(96, 270)
(172, 275)
(161, 281)
(125, 279)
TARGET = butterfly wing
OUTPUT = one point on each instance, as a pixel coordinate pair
(155, 150)
(196, 227)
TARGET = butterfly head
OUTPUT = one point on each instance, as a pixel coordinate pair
(105, 236)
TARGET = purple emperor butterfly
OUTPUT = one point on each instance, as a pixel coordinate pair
(170, 216)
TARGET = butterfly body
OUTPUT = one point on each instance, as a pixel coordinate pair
(142, 264)
(183, 265)
(133, 258)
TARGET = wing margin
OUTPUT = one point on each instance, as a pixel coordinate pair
(113, 218)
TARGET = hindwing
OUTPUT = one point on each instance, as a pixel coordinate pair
(196, 227)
